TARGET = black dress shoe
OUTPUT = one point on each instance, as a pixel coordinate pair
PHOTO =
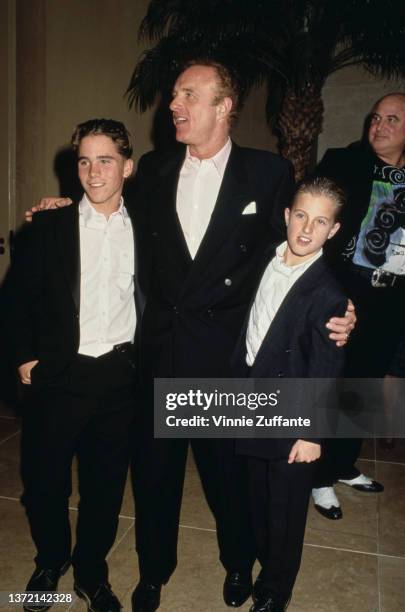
(146, 597)
(237, 588)
(373, 487)
(44, 580)
(333, 513)
(258, 587)
(364, 484)
(271, 603)
(99, 599)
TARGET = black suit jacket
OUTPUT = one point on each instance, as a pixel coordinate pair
(43, 294)
(195, 308)
(296, 345)
(352, 168)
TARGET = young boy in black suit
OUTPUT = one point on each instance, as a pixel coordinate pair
(286, 336)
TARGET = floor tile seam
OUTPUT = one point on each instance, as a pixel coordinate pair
(118, 542)
(210, 530)
(349, 534)
(72, 508)
(7, 498)
(379, 583)
(9, 437)
(361, 552)
(384, 462)
(379, 577)
(358, 552)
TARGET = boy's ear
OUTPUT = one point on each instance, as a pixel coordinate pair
(334, 229)
(287, 215)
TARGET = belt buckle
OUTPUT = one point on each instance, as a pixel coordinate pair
(382, 278)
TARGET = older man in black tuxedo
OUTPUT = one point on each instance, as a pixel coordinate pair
(204, 217)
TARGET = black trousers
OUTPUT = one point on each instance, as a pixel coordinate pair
(373, 350)
(158, 472)
(278, 496)
(86, 412)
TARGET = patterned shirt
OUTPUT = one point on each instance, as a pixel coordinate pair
(381, 240)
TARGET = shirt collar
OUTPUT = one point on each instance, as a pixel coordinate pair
(88, 212)
(219, 160)
(279, 259)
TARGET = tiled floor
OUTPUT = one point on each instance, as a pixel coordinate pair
(353, 565)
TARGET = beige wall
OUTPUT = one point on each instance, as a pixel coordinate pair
(348, 97)
(74, 60)
(251, 129)
(7, 140)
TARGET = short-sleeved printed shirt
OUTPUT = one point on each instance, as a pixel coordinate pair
(381, 240)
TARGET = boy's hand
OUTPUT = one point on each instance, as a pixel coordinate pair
(342, 326)
(46, 204)
(24, 371)
(304, 452)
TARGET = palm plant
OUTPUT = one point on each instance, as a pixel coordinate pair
(290, 45)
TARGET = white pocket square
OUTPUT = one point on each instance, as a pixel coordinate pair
(250, 209)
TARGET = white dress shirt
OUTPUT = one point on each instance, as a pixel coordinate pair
(197, 192)
(276, 282)
(107, 308)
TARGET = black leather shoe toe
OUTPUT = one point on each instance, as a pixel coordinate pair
(146, 597)
(373, 487)
(100, 599)
(237, 588)
(271, 603)
(44, 580)
(258, 587)
(333, 513)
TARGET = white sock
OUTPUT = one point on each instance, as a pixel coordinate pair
(325, 497)
(359, 480)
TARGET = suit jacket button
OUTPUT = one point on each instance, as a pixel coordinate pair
(243, 248)
(228, 282)
(210, 313)
(176, 310)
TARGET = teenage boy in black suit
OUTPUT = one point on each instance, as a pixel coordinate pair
(285, 336)
(71, 325)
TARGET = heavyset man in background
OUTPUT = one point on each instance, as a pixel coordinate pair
(369, 259)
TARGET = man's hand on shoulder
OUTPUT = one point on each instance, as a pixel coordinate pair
(46, 204)
(342, 326)
(24, 371)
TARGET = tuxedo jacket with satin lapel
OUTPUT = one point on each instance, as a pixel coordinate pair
(44, 293)
(296, 345)
(195, 308)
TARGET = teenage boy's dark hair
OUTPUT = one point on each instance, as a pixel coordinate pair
(104, 127)
(322, 186)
